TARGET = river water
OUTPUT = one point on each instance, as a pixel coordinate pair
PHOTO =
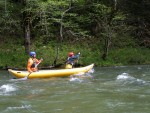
(124, 89)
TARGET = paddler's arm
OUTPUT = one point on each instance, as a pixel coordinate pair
(76, 56)
(38, 61)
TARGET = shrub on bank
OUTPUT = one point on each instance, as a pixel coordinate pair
(15, 56)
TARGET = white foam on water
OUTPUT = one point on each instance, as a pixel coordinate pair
(19, 79)
(127, 77)
(6, 89)
(16, 109)
(20, 107)
(124, 76)
(79, 77)
(75, 79)
(91, 71)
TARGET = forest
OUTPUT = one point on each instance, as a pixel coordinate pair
(106, 32)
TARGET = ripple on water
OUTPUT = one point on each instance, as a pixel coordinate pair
(18, 109)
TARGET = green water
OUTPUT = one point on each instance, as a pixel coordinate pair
(123, 89)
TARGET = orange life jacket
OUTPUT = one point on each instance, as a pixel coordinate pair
(31, 66)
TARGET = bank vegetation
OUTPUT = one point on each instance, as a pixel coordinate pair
(106, 32)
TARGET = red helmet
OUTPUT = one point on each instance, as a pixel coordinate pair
(70, 54)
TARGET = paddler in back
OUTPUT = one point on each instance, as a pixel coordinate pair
(33, 62)
(71, 60)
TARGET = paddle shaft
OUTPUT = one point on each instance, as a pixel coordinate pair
(29, 74)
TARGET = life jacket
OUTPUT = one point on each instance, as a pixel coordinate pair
(31, 66)
(70, 61)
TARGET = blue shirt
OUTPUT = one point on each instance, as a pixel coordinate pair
(71, 60)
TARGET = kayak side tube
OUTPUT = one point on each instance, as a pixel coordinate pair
(51, 73)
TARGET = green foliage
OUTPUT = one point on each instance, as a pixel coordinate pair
(87, 26)
(14, 56)
(130, 56)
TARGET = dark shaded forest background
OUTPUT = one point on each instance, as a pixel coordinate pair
(99, 29)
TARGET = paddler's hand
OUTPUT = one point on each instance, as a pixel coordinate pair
(30, 72)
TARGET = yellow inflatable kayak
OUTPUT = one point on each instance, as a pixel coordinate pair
(51, 73)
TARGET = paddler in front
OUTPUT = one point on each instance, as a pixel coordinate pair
(71, 60)
(33, 62)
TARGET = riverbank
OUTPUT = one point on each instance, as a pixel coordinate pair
(14, 56)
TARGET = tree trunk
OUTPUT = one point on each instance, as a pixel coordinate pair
(115, 5)
(26, 27)
(109, 31)
(27, 38)
(107, 42)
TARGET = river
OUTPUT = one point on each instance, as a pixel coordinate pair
(123, 89)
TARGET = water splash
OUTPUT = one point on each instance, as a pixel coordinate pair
(6, 89)
(75, 79)
(79, 77)
(19, 79)
(126, 78)
(91, 71)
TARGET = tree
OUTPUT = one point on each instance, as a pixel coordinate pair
(26, 26)
(138, 12)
